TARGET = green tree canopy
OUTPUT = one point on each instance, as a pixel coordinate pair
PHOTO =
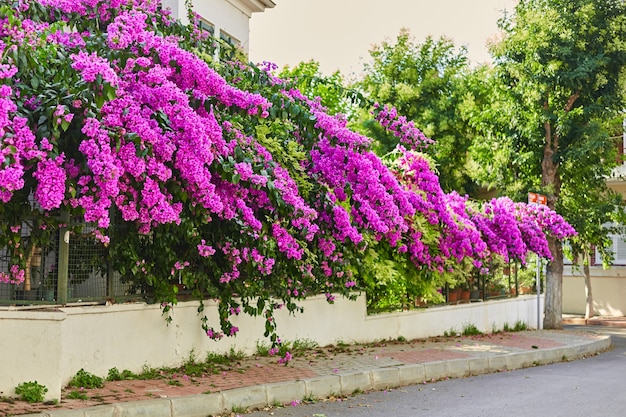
(428, 83)
(561, 62)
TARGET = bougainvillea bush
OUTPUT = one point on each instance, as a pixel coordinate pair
(220, 176)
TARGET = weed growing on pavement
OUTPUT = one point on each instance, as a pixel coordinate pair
(296, 347)
(450, 333)
(342, 344)
(76, 395)
(84, 379)
(31, 391)
(520, 326)
(237, 409)
(470, 329)
(149, 373)
(115, 375)
(225, 359)
(340, 347)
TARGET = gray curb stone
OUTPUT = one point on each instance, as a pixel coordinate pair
(478, 366)
(243, 398)
(434, 371)
(285, 392)
(458, 368)
(412, 374)
(357, 381)
(385, 378)
(197, 405)
(325, 386)
(322, 386)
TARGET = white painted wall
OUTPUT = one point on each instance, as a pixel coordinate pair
(51, 346)
(232, 16)
(608, 287)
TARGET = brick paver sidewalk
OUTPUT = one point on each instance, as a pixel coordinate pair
(316, 362)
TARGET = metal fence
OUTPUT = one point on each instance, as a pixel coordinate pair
(74, 268)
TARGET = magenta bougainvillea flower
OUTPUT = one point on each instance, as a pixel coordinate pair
(226, 179)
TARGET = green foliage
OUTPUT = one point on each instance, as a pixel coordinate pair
(428, 83)
(31, 391)
(84, 379)
(224, 359)
(519, 326)
(329, 90)
(76, 395)
(559, 76)
(450, 333)
(470, 329)
(295, 347)
(115, 375)
(560, 86)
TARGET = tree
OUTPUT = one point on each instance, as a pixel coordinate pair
(561, 61)
(427, 83)
(595, 210)
(329, 90)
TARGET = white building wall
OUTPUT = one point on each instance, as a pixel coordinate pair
(608, 289)
(232, 16)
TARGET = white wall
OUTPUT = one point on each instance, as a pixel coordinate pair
(51, 346)
(608, 288)
(232, 16)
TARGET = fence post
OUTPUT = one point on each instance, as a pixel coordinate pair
(64, 256)
(110, 272)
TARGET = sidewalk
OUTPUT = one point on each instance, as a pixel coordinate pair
(595, 321)
(258, 382)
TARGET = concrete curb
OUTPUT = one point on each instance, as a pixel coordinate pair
(259, 396)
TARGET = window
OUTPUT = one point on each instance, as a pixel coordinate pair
(206, 26)
(229, 39)
(618, 248)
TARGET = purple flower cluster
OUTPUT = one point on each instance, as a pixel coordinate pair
(409, 135)
(150, 129)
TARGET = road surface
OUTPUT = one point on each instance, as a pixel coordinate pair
(588, 387)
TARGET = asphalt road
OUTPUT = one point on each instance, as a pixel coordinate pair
(589, 387)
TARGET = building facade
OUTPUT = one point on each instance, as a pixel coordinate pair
(228, 20)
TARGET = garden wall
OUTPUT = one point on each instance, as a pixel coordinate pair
(50, 346)
(608, 288)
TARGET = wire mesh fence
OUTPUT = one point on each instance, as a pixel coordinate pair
(89, 273)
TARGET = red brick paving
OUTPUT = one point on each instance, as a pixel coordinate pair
(427, 355)
(516, 340)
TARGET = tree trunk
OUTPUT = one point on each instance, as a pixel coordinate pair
(551, 182)
(588, 294)
(554, 287)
